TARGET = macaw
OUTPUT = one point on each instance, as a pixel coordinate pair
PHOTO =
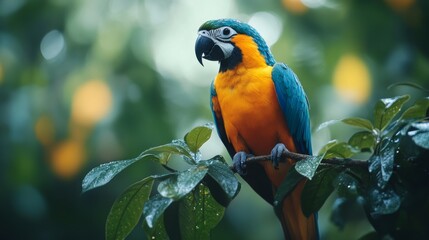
(259, 108)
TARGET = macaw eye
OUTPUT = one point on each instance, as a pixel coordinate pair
(226, 31)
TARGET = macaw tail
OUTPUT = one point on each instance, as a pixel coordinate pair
(295, 224)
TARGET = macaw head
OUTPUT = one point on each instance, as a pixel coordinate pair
(231, 42)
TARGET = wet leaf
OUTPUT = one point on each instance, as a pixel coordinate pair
(164, 152)
(386, 109)
(197, 137)
(158, 231)
(199, 213)
(127, 209)
(420, 136)
(418, 110)
(359, 122)
(341, 150)
(223, 176)
(383, 201)
(154, 208)
(178, 185)
(308, 166)
(381, 162)
(365, 141)
(102, 174)
(347, 186)
(317, 190)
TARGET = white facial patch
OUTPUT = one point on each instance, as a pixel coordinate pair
(222, 37)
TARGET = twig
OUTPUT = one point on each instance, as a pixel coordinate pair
(345, 162)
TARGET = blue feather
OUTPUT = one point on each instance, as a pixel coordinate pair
(294, 105)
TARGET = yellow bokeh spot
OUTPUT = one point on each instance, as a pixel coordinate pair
(67, 158)
(91, 102)
(295, 6)
(44, 130)
(400, 4)
(352, 79)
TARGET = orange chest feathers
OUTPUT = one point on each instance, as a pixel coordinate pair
(247, 102)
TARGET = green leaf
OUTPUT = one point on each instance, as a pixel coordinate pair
(364, 140)
(386, 109)
(317, 190)
(341, 150)
(197, 137)
(381, 162)
(359, 122)
(325, 148)
(164, 152)
(288, 184)
(178, 185)
(127, 209)
(223, 176)
(199, 213)
(102, 174)
(158, 231)
(409, 84)
(155, 208)
(418, 110)
(308, 166)
(347, 185)
(383, 201)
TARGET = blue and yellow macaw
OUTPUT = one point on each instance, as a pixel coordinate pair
(259, 108)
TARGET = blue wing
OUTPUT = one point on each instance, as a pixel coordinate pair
(294, 105)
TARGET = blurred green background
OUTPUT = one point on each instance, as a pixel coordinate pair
(87, 82)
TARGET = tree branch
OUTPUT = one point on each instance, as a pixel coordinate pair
(344, 162)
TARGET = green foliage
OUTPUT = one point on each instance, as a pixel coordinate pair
(386, 183)
(127, 209)
(191, 192)
(188, 204)
(308, 166)
(386, 109)
(317, 190)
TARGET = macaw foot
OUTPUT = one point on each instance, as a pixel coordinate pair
(239, 162)
(276, 154)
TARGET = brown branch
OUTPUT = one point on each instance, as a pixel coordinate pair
(344, 162)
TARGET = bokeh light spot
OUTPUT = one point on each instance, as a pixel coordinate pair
(400, 4)
(52, 44)
(313, 3)
(92, 101)
(295, 6)
(268, 25)
(352, 80)
(67, 158)
(44, 130)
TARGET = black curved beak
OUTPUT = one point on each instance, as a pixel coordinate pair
(206, 48)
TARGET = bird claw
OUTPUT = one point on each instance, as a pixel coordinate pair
(239, 162)
(276, 154)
